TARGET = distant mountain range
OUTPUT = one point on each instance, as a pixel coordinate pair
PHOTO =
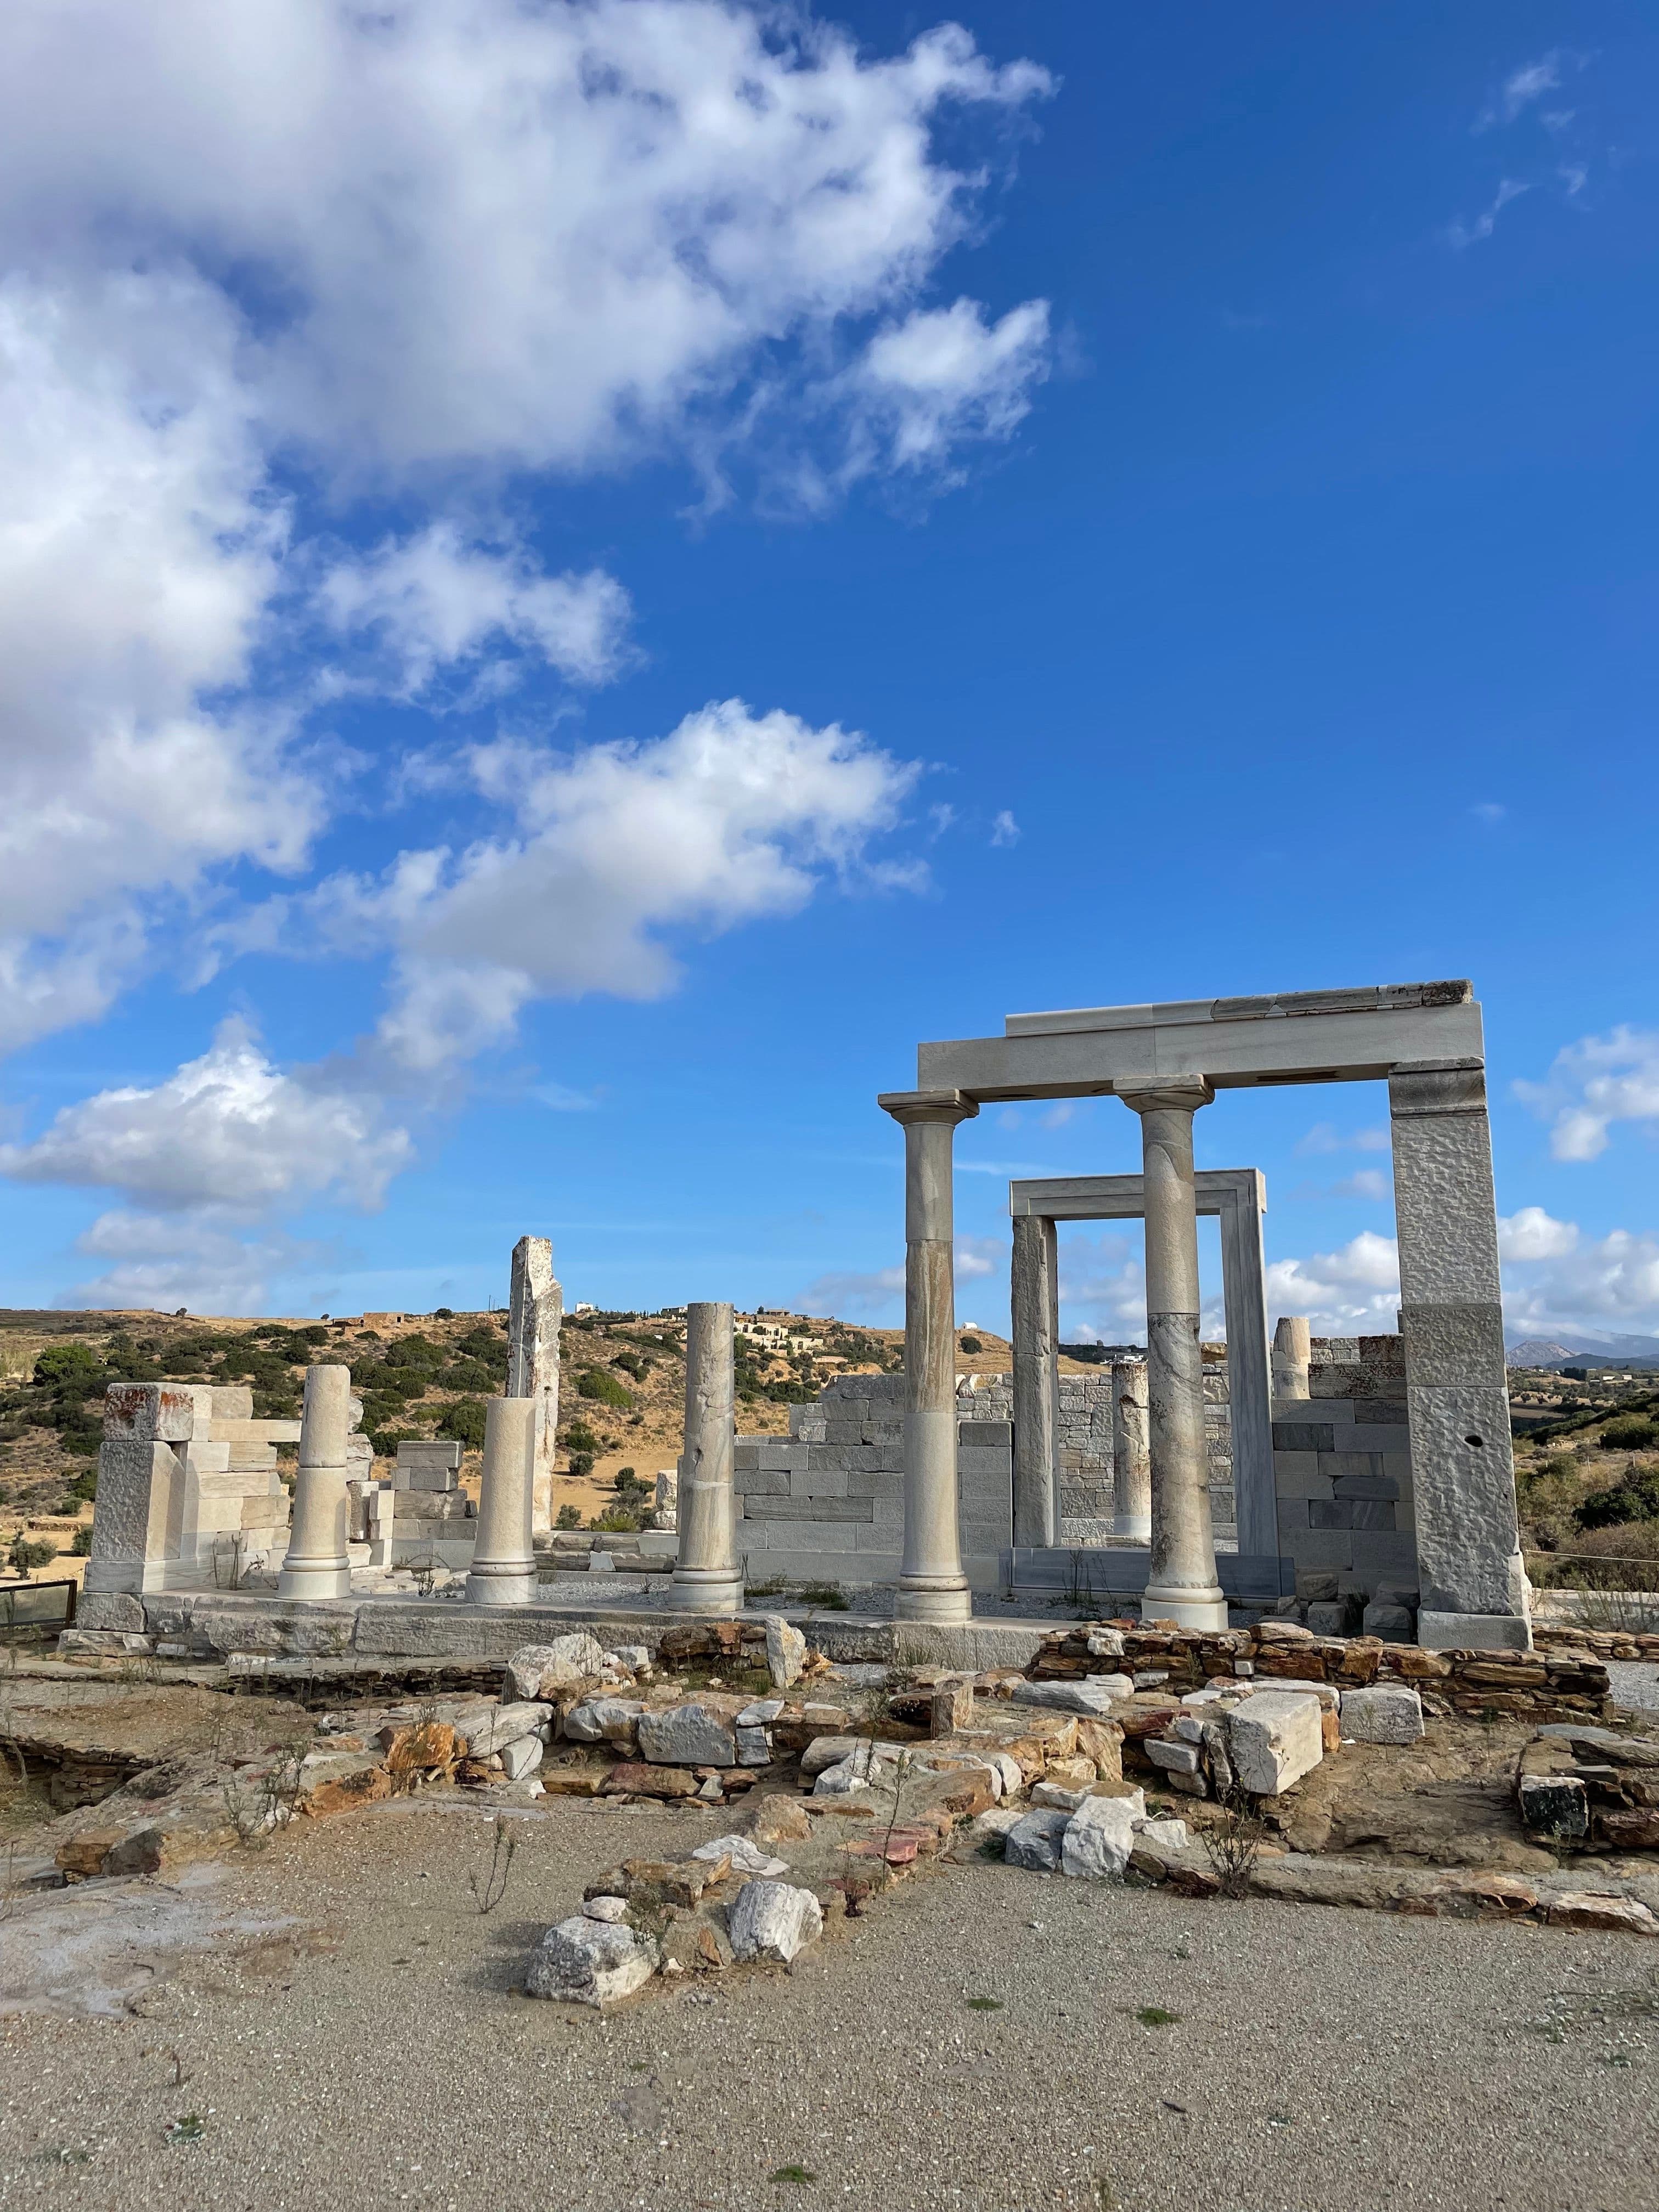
(1552, 1352)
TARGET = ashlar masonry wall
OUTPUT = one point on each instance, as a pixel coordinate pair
(826, 1502)
(1342, 1468)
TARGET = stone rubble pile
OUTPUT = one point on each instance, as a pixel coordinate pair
(1589, 1788)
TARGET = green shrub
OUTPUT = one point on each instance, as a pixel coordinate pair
(616, 1521)
(1630, 1432)
(581, 1463)
(413, 1352)
(80, 1547)
(972, 1343)
(593, 1383)
(28, 1553)
(464, 1419)
(486, 1343)
(443, 1313)
(66, 1363)
(568, 1517)
(84, 1488)
(469, 1374)
(579, 1438)
(1634, 1499)
(631, 1364)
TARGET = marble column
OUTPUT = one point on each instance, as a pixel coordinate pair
(535, 1317)
(1132, 1466)
(1472, 1580)
(317, 1565)
(931, 1585)
(1182, 1585)
(1291, 1356)
(1035, 1324)
(503, 1571)
(707, 1576)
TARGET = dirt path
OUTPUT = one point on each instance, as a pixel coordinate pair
(350, 2037)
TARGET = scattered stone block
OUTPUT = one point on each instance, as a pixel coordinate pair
(786, 1651)
(1173, 1758)
(1057, 1797)
(687, 1735)
(1387, 1712)
(1383, 1617)
(1163, 1835)
(1098, 1838)
(773, 1920)
(604, 1720)
(590, 1962)
(1274, 1738)
(420, 1747)
(951, 1708)
(1095, 1697)
(611, 1910)
(754, 1746)
(1580, 1908)
(539, 1670)
(1034, 1841)
(761, 1714)
(780, 1820)
(521, 1757)
(742, 1854)
(630, 1777)
(1554, 1806)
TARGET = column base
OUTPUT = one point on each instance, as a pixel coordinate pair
(1188, 1609)
(706, 1589)
(316, 1578)
(934, 1600)
(502, 1586)
(1474, 1631)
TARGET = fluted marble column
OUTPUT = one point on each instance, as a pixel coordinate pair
(1182, 1585)
(317, 1565)
(1132, 1466)
(931, 1585)
(707, 1576)
(503, 1571)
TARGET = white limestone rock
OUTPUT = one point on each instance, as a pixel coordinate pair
(1013, 1779)
(1274, 1741)
(1167, 1835)
(1094, 1698)
(489, 1728)
(604, 1720)
(773, 1920)
(1105, 1643)
(786, 1651)
(687, 1735)
(1034, 1841)
(761, 1714)
(636, 1657)
(998, 1820)
(1386, 1712)
(1056, 1797)
(537, 1670)
(611, 1910)
(1098, 1838)
(590, 1962)
(754, 1746)
(521, 1757)
(745, 1855)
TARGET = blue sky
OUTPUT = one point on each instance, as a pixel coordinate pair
(578, 580)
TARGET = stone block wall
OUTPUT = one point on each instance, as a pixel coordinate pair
(1342, 1468)
(826, 1501)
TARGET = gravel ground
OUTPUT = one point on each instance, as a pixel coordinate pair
(377, 2052)
(1635, 1684)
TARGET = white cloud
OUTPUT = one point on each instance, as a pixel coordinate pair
(1351, 1292)
(1594, 1083)
(165, 1261)
(1521, 89)
(434, 600)
(1364, 1182)
(1004, 831)
(410, 250)
(1532, 1234)
(878, 1292)
(228, 1131)
(1560, 1279)
(1460, 234)
(1324, 1137)
(732, 816)
(944, 376)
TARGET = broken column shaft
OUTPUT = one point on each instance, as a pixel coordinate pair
(707, 1576)
(317, 1565)
(503, 1571)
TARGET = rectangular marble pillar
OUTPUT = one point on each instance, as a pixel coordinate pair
(1244, 1277)
(1035, 1310)
(534, 1318)
(1471, 1581)
(138, 1521)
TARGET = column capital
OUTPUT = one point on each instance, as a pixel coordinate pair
(1156, 1094)
(950, 1107)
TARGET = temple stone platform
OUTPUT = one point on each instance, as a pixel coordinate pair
(224, 1626)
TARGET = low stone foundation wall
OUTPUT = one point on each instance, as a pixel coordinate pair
(1569, 1684)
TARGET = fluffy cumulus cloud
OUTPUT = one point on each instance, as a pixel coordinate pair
(164, 1261)
(1593, 1084)
(732, 816)
(1354, 1291)
(1556, 1278)
(228, 1131)
(413, 252)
